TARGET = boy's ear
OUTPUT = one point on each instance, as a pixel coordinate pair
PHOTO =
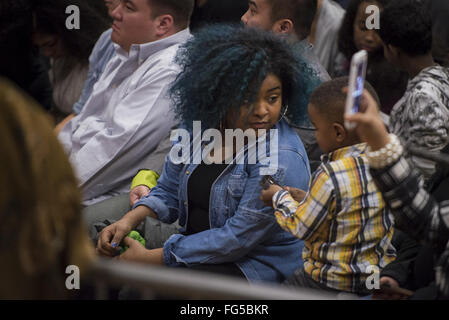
(283, 26)
(340, 132)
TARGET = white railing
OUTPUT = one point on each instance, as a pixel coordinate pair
(152, 281)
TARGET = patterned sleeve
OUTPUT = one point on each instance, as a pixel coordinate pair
(414, 210)
(303, 219)
(428, 129)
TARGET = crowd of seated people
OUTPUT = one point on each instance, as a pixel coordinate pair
(122, 126)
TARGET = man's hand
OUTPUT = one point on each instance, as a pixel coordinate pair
(137, 193)
(111, 237)
(267, 195)
(136, 252)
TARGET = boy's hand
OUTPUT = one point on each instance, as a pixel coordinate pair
(267, 195)
(296, 193)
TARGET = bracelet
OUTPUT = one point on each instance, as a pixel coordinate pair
(387, 155)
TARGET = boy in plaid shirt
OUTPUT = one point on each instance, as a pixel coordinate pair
(343, 219)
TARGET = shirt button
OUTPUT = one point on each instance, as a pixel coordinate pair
(185, 203)
(187, 172)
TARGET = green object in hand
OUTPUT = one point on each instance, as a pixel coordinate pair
(133, 235)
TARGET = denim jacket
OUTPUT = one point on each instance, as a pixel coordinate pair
(242, 230)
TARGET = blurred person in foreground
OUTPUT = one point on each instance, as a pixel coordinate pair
(41, 229)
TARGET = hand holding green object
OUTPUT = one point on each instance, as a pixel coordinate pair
(133, 235)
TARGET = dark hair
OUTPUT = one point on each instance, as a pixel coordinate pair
(15, 38)
(407, 24)
(440, 12)
(346, 43)
(330, 101)
(50, 17)
(181, 10)
(15, 22)
(223, 68)
(301, 12)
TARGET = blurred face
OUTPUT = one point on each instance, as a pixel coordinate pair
(258, 15)
(133, 24)
(49, 44)
(324, 133)
(111, 5)
(266, 109)
(365, 39)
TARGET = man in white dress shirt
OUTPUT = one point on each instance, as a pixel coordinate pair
(129, 112)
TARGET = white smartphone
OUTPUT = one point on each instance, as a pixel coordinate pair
(357, 75)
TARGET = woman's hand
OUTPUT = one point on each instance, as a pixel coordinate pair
(136, 252)
(111, 237)
(370, 127)
(267, 195)
(137, 193)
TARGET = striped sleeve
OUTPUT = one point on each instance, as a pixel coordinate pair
(303, 219)
(414, 210)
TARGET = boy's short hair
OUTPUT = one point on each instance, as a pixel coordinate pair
(407, 24)
(300, 12)
(330, 101)
(181, 10)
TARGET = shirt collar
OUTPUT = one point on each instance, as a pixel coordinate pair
(346, 152)
(427, 72)
(143, 51)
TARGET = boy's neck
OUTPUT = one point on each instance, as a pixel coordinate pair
(417, 64)
(346, 144)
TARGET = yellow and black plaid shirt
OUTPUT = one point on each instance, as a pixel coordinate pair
(343, 221)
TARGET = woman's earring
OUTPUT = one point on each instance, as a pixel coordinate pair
(285, 112)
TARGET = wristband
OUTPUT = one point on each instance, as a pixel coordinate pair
(146, 178)
(387, 155)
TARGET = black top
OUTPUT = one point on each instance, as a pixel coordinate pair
(198, 189)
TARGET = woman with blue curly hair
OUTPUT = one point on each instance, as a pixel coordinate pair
(231, 78)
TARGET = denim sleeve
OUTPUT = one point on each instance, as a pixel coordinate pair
(251, 225)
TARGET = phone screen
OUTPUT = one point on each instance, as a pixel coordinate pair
(356, 84)
(359, 84)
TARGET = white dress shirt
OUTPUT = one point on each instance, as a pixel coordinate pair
(325, 46)
(125, 118)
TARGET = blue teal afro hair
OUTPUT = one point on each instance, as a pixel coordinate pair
(223, 67)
